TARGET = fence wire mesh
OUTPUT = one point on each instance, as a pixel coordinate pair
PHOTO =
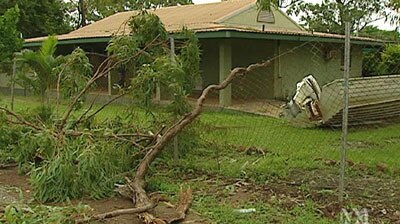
(291, 114)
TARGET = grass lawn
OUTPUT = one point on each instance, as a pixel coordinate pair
(287, 174)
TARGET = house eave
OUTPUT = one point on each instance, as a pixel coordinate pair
(224, 34)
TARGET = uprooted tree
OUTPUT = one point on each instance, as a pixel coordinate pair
(74, 154)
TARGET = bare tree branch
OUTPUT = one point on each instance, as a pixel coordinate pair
(189, 118)
(137, 186)
(86, 111)
(106, 104)
(21, 119)
(116, 213)
(185, 200)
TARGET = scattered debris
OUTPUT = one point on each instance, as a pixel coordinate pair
(249, 210)
(361, 167)
(252, 150)
(186, 198)
(369, 102)
(8, 166)
(382, 167)
(306, 99)
(6, 198)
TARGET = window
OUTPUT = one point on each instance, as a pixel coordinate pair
(266, 16)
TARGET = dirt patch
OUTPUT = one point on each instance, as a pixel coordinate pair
(379, 195)
(11, 179)
(362, 144)
(163, 210)
(6, 198)
(392, 140)
(12, 183)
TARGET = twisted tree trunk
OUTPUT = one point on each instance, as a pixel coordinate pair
(137, 186)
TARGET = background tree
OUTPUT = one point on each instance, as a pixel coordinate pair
(93, 10)
(391, 60)
(10, 40)
(382, 61)
(267, 4)
(330, 16)
(40, 17)
(375, 32)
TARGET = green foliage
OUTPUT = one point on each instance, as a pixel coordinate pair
(42, 113)
(10, 40)
(155, 66)
(87, 159)
(97, 9)
(74, 72)
(267, 4)
(330, 16)
(81, 168)
(147, 27)
(147, 37)
(122, 48)
(371, 62)
(147, 4)
(189, 58)
(69, 73)
(33, 148)
(189, 140)
(391, 60)
(40, 17)
(75, 168)
(24, 146)
(146, 40)
(8, 136)
(170, 76)
(382, 62)
(375, 32)
(42, 63)
(144, 86)
(37, 214)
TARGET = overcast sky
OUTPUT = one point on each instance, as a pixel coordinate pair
(381, 24)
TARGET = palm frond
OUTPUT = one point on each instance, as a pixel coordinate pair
(49, 46)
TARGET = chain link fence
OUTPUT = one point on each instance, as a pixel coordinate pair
(293, 114)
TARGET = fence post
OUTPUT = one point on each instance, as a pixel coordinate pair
(14, 72)
(345, 112)
(176, 142)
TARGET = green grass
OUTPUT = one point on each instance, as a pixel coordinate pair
(264, 213)
(28, 103)
(287, 149)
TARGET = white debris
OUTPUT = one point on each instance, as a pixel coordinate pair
(306, 100)
(249, 210)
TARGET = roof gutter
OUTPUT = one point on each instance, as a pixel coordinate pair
(225, 34)
(288, 37)
(72, 41)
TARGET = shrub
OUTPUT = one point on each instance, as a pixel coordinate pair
(8, 136)
(16, 214)
(391, 60)
(371, 62)
(82, 168)
(382, 62)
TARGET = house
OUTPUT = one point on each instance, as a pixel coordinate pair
(235, 33)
